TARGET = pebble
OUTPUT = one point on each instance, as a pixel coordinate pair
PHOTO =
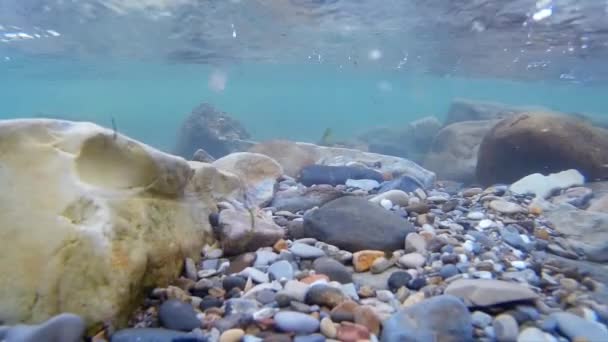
(386, 204)
(382, 264)
(64, 327)
(324, 295)
(333, 269)
(415, 243)
(281, 270)
(506, 328)
(412, 260)
(485, 224)
(363, 260)
(309, 338)
(579, 329)
(264, 258)
(230, 282)
(190, 269)
(295, 290)
(350, 290)
(475, 215)
(176, 315)
(448, 271)
(296, 322)
(505, 207)
(481, 319)
(365, 316)
(138, 335)
(397, 280)
(240, 263)
(232, 335)
(255, 274)
(532, 334)
(328, 328)
(306, 251)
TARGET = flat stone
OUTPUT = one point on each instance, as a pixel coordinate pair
(348, 331)
(190, 269)
(415, 243)
(412, 260)
(242, 231)
(442, 318)
(382, 264)
(543, 186)
(366, 316)
(364, 184)
(264, 258)
(296, 322)
(235, 306)
(397, 197)
(448, 271)
(511, 235)
(363, 260)
(281, 270)
(176, 315)
(397, 280)
(328, 328)
(476, 215)
(255, 274)
(577, 196)
(333, 269)
(369, 226)
(506, 207)
(577, 328)
(232, 335)
(489, 292)
(241, 262)
(295, 290)
(61, 328)
(532, 334)
(305, 251)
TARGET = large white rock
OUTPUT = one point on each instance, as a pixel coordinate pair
(90, 218)
(543, 186)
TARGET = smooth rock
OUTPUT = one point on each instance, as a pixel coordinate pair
(369, 226)
(489, 292)
(295, 290)
(364, 315)
(281, 270)
(232, 335)
(241, 262)
(296, 322)
(328, 328)
(511, 235)
(577, 328)
(61, 328)
(264, 258)
(543, 186)
(305, 251)
(448, 271)
(363, 260)
(481, 319)
(506, 328)
(415, 243)
(506, 207)
(533, 334)
(412, 260)
(442, 318)
(295, 200)
(397, 280)
(333, 269)
(351, 332)
(230, 282)
(382, 264)
(309, 338)
(403, 183)
(577, 196)
(335, 175)
(244, 231)
(176, 315)
(540, 141)
(255, 274)
(241, 306)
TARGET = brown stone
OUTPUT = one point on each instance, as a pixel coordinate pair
(542, 234)
(280, 245)
(363, 260)
(351, 332)
(344, 311)
(315, 277)
(366, 316)
(541, 142)
(241, 262)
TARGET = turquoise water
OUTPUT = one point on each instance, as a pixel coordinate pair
(150, 100)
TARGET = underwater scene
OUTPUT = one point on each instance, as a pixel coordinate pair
(303, 170)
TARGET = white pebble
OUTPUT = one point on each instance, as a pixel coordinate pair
(520, 265)
(384, 295)
(485, 223)
(386, 204)
(525, 238)
(482, 274)
(420, 193)
(463, 258)
(428, 228)
(468, 245)
(475, 215)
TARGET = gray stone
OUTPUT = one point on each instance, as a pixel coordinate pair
(255, 274)
(448, 271)
(177, 315)
(526, 276)
(365, 184)
(577, 196)
(578, 328)
(324, 295)
(415, 243)
(333, 269)
(481, 319)
(532, 334)
(397, 197)
(310, 338)
(375, 281)
(151, 335)
(369, 226)
(506, 328)
(295, 290)
(511, 235)
(412, 260)
(281, 269)
(61, 328)
(506, 207)
(190, 269)
(382, 264)
(305, 251)
(489, 292)
(264, 258)
(296, 322)
(442, 318)
(265, 296)
(242, 231)
(235, 306)
(295, 200)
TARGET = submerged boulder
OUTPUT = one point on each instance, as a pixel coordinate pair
(213, 131)
(476, 110)
(90, 219)
(295, 200)
(540, 142)
(294, 156)
(453, 155)
(356, 224)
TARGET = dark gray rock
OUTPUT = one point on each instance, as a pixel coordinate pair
(333, 269)
(177, 315)
(265, 296)
(356, 224)
(231, 282)
(398, 280)
(324, 295)
(281, 269)
(212, 130)
(448, 271)
(442, 318)
(154, 335)
(578, 328)
(335, 175)
(511, 235)
(61, 328)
